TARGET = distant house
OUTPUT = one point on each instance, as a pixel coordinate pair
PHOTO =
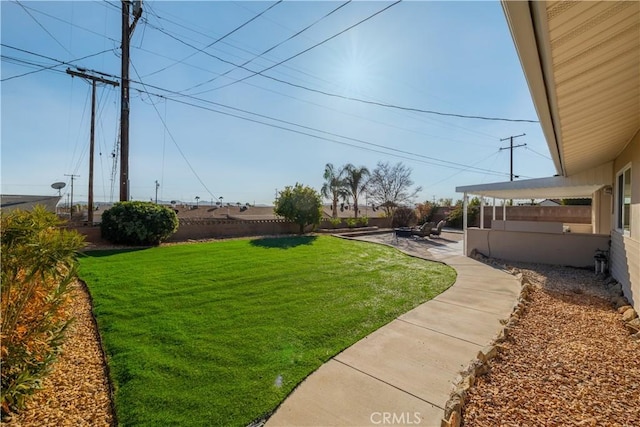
(582, 64)
(11, 202)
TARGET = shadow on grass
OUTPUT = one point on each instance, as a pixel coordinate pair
(283, 242)
(98, 253)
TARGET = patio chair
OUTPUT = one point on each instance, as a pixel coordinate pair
(424, 230)
(436, 231)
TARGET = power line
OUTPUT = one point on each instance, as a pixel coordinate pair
(173, 139)
(448, 164)
(42, 26)
(314, 46)
(535, 152)
(454, 165)
(219, 38)
(59, 62)
(145, 85)
(271, 48)
(335, 95)
(70, 23)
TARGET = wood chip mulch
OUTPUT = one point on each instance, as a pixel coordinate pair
(568, 362)
(76, 393)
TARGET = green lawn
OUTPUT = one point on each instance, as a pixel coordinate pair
(220, 333)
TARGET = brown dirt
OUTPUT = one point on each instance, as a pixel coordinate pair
(569, 361)
(76, 393)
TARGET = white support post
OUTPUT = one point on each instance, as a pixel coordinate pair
(465, 206)
(494, 210)
(504, 209)
(482, 213)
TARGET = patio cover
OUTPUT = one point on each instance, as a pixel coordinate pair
(581, 185)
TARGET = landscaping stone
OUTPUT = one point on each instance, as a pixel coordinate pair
(624, 308)
(629, 315)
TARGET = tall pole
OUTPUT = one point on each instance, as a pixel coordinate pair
(124, 105)
(73, 176)
(127, 30)
(511, 147)
(94, 80)
(157, 186)
(91, 149)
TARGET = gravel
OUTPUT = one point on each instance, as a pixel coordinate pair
(568, 361)
(76, 393)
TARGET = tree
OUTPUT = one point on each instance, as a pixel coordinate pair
(334, 187)
(445, 201)
(426, 211)
(299, 204)
(455, 218)
(390, 186)
(356, 182)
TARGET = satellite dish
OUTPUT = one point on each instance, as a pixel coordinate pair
(58, 185)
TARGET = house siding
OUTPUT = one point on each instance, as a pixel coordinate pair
(625, 249)
(625, 266)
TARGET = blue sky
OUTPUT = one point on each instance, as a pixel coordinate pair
(451, 57)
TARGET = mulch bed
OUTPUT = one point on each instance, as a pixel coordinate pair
(76, 393)
(569, 361)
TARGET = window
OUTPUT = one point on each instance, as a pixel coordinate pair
(623, 201)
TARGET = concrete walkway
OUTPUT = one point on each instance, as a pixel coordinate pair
(402, 373)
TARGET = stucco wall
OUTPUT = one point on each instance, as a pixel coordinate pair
(571, 214)
(571, 249)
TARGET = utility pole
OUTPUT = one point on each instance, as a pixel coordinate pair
(157, 186)
(127, 31)
(511, 147)
(93, 80)
(71, 203)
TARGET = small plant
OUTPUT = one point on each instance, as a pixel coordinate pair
(138, 223)
(38, 264)
(335, 222)
(364, 221)
(352, 222)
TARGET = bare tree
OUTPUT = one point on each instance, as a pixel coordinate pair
(390, 186)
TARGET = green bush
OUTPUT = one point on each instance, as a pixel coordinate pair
(404, 217)
(335, 222)
(364, 220)
(38, 263)
(138, 223)
(352, 222)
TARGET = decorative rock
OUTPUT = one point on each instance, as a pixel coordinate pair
(453, 405)
(452, 421)
(624, 308)
(482, 370)
(629, 315)
(634, 324)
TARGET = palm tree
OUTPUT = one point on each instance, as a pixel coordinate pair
(334, 186)
(197, 200)
(356, 182)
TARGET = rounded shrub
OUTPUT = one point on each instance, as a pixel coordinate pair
(404, 217)
(138, 223)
